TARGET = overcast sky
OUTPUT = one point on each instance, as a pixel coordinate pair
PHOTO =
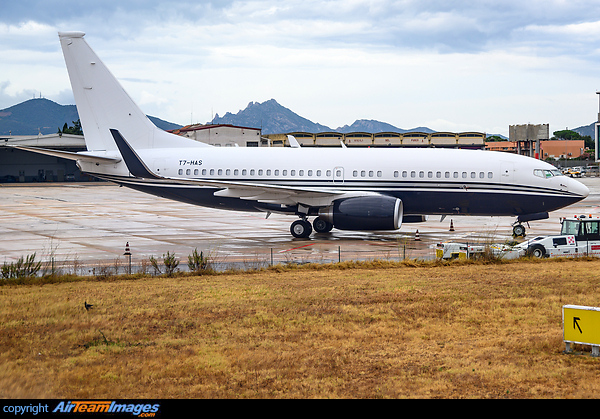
(448, 65)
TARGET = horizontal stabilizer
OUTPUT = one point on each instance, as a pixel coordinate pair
(69, 155)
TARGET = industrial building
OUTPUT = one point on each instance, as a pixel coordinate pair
(223, 135)
(23, 166)
(475, 140)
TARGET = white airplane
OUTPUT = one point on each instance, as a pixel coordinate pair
(344, 188)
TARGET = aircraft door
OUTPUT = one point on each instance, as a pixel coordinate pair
(507, 172)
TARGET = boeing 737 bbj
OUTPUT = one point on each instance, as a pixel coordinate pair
(343, 188)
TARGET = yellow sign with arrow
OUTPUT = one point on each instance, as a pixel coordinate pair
(581, 324)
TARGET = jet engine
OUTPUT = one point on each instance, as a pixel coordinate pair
(364, 213)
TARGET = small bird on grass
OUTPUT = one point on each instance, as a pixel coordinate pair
(87, 306)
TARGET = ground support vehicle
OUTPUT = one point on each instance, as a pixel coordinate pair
(579, 236)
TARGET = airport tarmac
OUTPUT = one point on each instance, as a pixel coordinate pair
(90, 224)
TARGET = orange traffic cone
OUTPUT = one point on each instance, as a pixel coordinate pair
(417, 238)
(451, 225)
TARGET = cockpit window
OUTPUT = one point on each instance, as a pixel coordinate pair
(546, 174)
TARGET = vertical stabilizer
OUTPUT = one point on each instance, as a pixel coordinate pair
(103, 104)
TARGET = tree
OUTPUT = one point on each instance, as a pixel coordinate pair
(75, 129)
(568, 134)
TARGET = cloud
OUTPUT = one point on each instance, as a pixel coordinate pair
(407, 62)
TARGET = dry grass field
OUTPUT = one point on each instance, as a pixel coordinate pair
(354, 330)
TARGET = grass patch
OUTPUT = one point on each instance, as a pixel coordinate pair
(376, 329)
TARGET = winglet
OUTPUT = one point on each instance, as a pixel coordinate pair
(134, 163)
(293, 142)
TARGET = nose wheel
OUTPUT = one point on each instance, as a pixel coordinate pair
(519, 230)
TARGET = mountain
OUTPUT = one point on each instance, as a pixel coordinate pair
(586, 130)
(271, 117)
(371, 126)
(45, 116)
(274, 118)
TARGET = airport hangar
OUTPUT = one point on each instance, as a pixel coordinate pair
(19, 166)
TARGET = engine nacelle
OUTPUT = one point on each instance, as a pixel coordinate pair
(364, 213)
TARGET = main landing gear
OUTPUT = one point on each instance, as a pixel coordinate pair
(302, 228)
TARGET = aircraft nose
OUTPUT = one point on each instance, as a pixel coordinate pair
(578, 188)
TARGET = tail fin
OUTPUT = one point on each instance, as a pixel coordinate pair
(103, 104)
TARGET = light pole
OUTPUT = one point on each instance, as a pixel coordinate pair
(596, 128)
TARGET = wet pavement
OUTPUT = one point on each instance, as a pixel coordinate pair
(90, 224)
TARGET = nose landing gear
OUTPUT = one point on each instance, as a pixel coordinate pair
(518, 230)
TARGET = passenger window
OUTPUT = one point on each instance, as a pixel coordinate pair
(447, 175)
(284, 173)
(473, 175)
(301, 173)
(236, 172)
(490, 175)
(203, 172)
(328, 173)
(455, 175)
(421, 174)
(244, 172)
(363, 173)
(252, 172)
(188, 172)
(268, 172)
(276, 172)
(319, 173)
(404, 173)
(464, 175)
(438, 175)
(228, 172)
(429, 174)
(481, 175)
(292, 173)
(180, 172)
(370, 173)
(220, 172)
(396, 173)
(310, 173)
(212, 172)
(379, 174)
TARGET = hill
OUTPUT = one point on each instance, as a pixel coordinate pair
(44, 116)
(36, 116)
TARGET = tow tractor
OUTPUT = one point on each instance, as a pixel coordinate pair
(579, 236)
